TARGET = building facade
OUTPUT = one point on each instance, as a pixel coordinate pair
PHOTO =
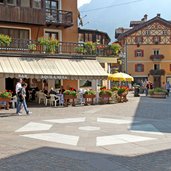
(25, 22)
(147, 51)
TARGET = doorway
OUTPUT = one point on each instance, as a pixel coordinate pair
(157, 81)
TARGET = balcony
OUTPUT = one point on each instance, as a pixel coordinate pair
(35, 48)
(59, 18)
(157, 72)
(156, 57)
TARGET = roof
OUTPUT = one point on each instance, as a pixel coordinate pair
(93, 31)
(144, 24)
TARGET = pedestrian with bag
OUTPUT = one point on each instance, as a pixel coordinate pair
(168, 86)
(22, 100)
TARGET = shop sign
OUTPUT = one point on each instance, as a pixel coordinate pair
(22, 76)
(53, 77)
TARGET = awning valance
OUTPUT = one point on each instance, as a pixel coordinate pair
(51, 68)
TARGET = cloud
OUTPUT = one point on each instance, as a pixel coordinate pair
(82, 2)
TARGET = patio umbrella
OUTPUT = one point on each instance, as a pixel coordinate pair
(120, 76)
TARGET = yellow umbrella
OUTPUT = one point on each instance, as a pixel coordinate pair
(120, 76)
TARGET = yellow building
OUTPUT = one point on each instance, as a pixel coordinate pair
(147, 49)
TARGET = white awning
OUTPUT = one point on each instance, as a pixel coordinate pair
(51, 68)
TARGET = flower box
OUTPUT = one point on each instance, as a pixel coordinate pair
(105, 98)
(67, 98)
(89, 98)
(7, 100)
(161, 95)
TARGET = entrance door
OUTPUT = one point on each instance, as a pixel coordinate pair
(157, 81)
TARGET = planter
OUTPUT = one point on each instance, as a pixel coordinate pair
(68, 98)
(123, 97)
(88, 99)
(7, 100)
(105, 98)
(161, 95)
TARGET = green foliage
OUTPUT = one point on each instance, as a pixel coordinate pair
(6, 94)
(90, 48)
(114, 89)
(105, 92)
(121, 90)
(5, 40)
(80, 49)
(32, 47)
(115, 49)
(90, 92)
(151, 91)
(158, 89)
(51, 45)
(70, 92)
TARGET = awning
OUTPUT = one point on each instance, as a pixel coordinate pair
(51, 68)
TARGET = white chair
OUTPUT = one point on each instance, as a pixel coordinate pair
(41, 97)
(14, 101)
(53, 99)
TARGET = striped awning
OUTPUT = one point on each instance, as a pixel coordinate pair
(51, 68)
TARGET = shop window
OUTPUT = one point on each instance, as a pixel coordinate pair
(139, 68)
(25, 3)
(139, 53)
(37, 4)
(11, 2)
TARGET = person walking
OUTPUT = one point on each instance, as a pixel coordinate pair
(22, 100)
(17, 89)
(168, 86)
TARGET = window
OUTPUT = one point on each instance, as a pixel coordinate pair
(81, 37)
(156, 52)
(164, 32)
(11, 2)
(25, 3)
(139, 68)
(156, 66)
(139, 53)
(1, 1)
(139, 39)
(170, 67)
(53, 35)
(156, 39)
(37, 4)
(147, 32)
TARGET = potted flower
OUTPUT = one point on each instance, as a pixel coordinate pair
(50, 45)
(105, 95)
(69, 95)
(89, 94)
(32, 47)
(122, 93)
(6, 96)
(90, 48)
(5, 40)
(158, 93)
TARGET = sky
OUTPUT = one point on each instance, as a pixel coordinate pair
(82, 2)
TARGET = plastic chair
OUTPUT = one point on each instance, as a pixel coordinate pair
(13, 101)
(53, 99)
(41, 97)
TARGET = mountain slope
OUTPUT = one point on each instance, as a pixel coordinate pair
(108, 19)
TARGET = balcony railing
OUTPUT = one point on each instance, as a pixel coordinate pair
(34, 47)
(156, 57)
(59, 17)
(157, 72)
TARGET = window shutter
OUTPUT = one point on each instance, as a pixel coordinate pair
(135, 53)
(142, 67)
(135, 67)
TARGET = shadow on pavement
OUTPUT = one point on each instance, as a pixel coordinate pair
(54, 159)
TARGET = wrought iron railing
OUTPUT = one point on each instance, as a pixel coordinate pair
(59, 17)
(158, 57)
(156, 72)
(34, 46)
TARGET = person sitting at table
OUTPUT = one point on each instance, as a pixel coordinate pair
(52, 91)
(61, 91)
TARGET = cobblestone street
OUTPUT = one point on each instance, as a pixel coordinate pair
(132, 136)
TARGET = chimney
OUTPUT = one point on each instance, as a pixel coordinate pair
(158, 15)
(145, 17)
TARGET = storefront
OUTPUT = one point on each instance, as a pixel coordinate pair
(49, 72)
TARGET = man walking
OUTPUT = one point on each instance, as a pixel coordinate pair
(17, 89)
(22, 100)
(168, 88)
